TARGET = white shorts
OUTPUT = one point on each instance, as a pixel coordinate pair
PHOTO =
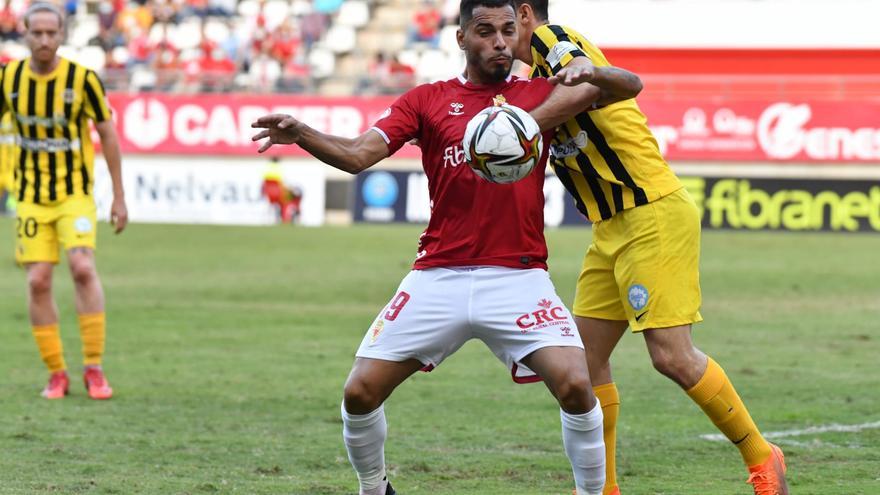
(435, 311)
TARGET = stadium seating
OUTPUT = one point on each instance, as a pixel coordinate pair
(331, 51)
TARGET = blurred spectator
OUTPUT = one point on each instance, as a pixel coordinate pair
(107, 16)
(8, 23)
(218, 71)
(139, 46)
(233, 45)
(136, 16)
(165, 61)
(166, 11)
(264, 71)
(401, 77)
(313, 26)
(198, 8)
(295, 77)
(387, 76)
(426, 24)
(221, 8)
(285, 42)
(107, 38)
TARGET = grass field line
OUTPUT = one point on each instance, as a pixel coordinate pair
(832, 428)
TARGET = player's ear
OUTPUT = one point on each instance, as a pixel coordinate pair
(459, 36)
(523, 13)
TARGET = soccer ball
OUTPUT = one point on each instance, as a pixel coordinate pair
(502, 144)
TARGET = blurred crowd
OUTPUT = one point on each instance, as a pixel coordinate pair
(187, 45)
(218, 45)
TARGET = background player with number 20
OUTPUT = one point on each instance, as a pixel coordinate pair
(480, 270)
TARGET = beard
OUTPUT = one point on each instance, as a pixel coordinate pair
(488, 72)
(499, 73)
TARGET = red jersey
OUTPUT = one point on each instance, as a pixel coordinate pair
(473, 222)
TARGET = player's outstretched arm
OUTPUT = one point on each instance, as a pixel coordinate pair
(615, 84)
(563, 103)
(113, 156)
(351, 155)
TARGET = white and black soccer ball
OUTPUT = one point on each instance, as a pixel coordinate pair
(502, 144)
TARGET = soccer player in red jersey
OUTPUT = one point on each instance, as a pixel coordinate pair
(480, 270)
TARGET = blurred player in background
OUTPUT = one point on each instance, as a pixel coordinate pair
(51, 100)
(642, 269)
(481, 263)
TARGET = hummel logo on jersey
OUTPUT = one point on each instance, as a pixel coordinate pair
(456, 108)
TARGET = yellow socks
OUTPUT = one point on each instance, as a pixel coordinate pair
(49, 343)
(716, 396)
(92, 331)
(610, 401)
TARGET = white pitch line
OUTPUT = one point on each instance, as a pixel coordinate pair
(834, 427)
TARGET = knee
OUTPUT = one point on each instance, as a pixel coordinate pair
(40, 283)
(360, 397)
(83, 273)
(573, 393)
(679, 367)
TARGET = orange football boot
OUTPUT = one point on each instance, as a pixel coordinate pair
(96, 383)
(57, 387)
(769, 478)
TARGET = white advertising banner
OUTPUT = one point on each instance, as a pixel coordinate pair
(208, 190)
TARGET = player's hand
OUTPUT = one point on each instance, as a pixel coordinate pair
(118, 214)
(574, 75)
(279, 128)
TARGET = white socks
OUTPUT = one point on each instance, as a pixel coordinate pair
(364, 437)
(585, 448)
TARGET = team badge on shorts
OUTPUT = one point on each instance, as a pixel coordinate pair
(82, 225)
(638, 296)
(376, 330)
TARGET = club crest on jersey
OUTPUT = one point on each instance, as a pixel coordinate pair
(68, 96)
(456, 108)
(545, 317)
(499, 100)
(638, 296)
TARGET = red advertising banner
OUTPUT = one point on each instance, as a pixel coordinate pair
(774, 131)
(777, 131)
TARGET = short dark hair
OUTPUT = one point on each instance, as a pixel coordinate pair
(539, 7)
(37, 7)
(466, 9)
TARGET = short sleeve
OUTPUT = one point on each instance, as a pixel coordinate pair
(553, 47)
(95, 105)
(401, 122)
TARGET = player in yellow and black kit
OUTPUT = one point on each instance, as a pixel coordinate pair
(7, 152)
(642, 269)
(51, 100)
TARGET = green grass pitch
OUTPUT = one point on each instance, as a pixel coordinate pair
(228, 349)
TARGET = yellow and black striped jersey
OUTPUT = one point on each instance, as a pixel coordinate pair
(7, 149)
(54, 154)
(607, 158)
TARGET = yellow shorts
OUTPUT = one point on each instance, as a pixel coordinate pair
(643, 266)
(40, 229)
